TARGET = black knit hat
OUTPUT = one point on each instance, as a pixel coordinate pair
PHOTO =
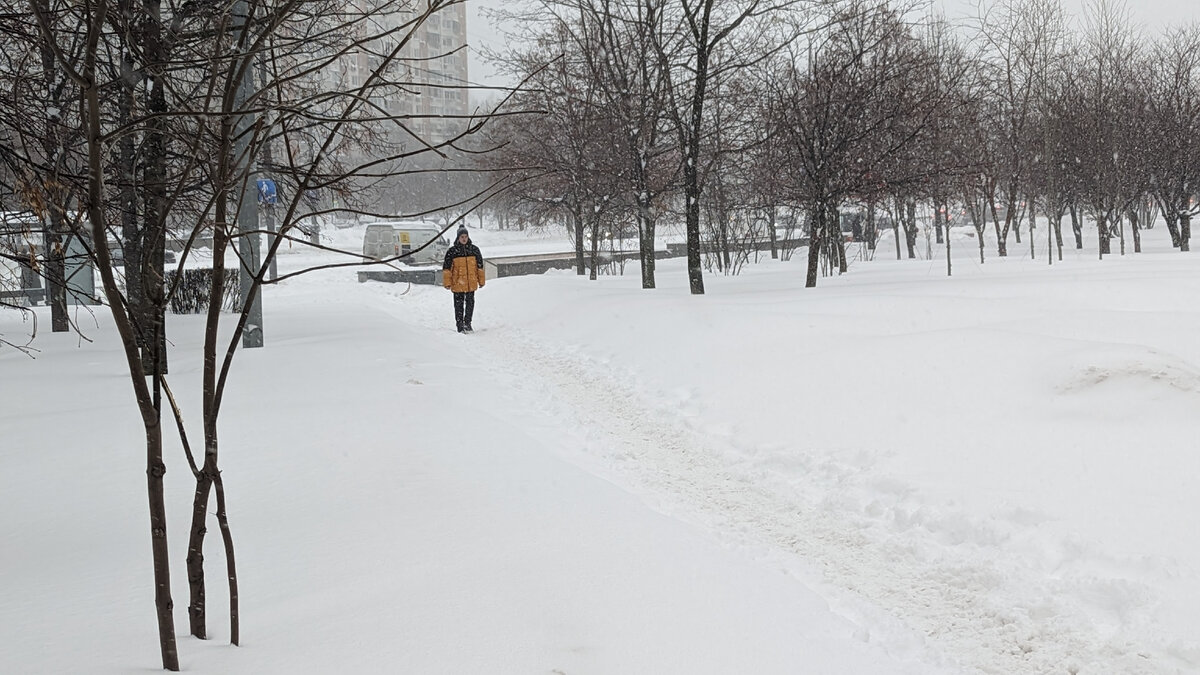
(462, 229)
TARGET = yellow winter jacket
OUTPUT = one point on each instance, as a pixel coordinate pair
(463, 270)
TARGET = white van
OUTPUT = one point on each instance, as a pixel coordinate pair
(390, 239)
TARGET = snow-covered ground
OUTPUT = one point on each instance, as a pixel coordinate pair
(897, 472)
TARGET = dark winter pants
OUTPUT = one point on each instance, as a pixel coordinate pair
(464, 307)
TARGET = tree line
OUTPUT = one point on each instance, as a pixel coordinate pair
(738, 117)
(128, 127)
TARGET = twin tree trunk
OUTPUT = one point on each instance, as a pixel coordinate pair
(1172, 219)
(824, 236)
(208, 479)
(1055, 214)
(1076, 226)
(1135, 228)
(1104, 235)
(208, 475)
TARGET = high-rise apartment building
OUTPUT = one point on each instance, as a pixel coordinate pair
(435, 62)
(430, 72)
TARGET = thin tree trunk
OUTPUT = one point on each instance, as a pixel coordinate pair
(978, 221)
(1016, 219)
(694, 263)
(771, 232)
(197, 601)
(580, 268)
(646, 227)
(53, 230)
(595, 253)
(1185, 231)
(1033, 228)
(131, 234)
(910, 227)
(872, 231)
(1135, 228)
(158, 537)
(1121, 231)
(1050, 228)
(837, 241)
(1058, 240)
(230, 562)
(1103, 234)
(691, 167)
(645, 220)
(1001, 238)
(1077, 227)
(155, 190)
(56, 269)
(896, 227)
(155, 469)
(946, 221)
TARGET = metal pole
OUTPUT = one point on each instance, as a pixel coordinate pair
(273, 229)
(249, 242)
(266, 167)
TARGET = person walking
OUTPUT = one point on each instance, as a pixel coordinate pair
(462, 273)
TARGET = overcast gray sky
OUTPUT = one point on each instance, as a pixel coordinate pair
(1153, 15)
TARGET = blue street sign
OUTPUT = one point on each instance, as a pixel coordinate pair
(266, 191)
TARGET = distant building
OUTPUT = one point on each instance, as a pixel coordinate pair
(435, 62)
(430, 74)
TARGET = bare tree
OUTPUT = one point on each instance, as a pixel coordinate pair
(854, 110)
(1174, 117)
(687, 56)
(198, 135)
(39, 154)
(569, 158)
(632, 83)
(1018, 38)
(1106, 76)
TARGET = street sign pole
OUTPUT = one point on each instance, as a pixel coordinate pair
(249, 241)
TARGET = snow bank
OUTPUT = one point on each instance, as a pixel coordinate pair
(895, 473)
